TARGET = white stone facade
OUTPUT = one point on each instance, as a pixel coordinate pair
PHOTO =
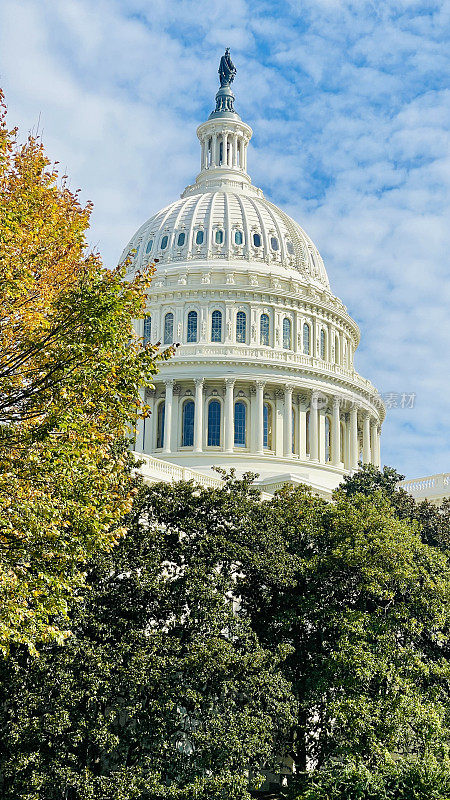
(263, 377)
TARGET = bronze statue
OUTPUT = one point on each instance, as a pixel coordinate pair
(227, 70)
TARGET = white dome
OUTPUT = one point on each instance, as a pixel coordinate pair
(263, 377)
(231, 225)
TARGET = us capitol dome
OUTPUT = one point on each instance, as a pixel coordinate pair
(263, 378)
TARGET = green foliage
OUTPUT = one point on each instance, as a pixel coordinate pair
(161, 691)
(410, 779)
(333, 656)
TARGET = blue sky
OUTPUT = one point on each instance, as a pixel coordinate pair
(350, 107)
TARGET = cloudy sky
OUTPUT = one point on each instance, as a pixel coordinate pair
(350, 107)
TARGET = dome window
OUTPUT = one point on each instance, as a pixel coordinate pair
(267, 426)
(216, 326)
(290, 248)
(168, 328)
(306, 339)
(257, 239)
(188, 423)
(164, 242)
(322, 344)
(264, 329)
(240, 413)
(181, 239)
(241, 327)
(199, 237)
(219, 237)
(147, 329)
(287, 333)
(149, 246)
(160, 425)
(214, 424)
(238, 237)
(274, 243)
(192, 326)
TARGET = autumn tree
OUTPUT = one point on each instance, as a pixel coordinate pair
(70, 368)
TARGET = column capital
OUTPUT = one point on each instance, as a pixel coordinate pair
(288, 387)
(230, 381)
(199, 381)
(260, 384)
(169, 382)
(336, 401)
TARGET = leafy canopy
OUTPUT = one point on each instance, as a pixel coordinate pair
(70, 370)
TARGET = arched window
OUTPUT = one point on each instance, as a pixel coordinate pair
(267, 426)
(147, 329)
(240, 413)
(160, 424)
(219, 237)
(308, 443)
(290, 248)
(257, 239)
(216, 326)
(336, 350)
(274, 243)
(327, 439)
(287, 333)
(306, 339)
(168, 328)
(192, 326)
(188, 423)
(199, 237)
(149, 246)
(322, 343)
(214, 424)
(264, 329)
(164, 242)
(241, 327)
(181, 239)
(238, 237)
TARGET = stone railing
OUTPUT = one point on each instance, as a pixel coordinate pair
(155, 469)
(159, 470)
(247, 353)
(431, 487)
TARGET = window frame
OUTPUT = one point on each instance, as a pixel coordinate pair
(188, 401)
(241, 338)
(189, 332)
(239, 401)
(214, 337)
(166, 338)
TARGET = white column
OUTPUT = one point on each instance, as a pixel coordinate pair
(214, 154)
(374, 443)
(379, 448)
(313, 429)
(229, 415)
(366, 439)
(353, 438)
(168, 416)
(224, 148)
(259, 416)
(198, 418)
(244, 154)
(278, 445)
(235, 150)
(336, 433)
(302, 431)
(288, 421)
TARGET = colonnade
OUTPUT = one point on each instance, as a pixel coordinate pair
(280, 419)
(234, 150)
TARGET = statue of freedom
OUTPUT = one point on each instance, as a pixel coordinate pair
(227, 70)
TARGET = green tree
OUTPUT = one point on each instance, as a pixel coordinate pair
(70, 369)
(434, 521)
(162, 691)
